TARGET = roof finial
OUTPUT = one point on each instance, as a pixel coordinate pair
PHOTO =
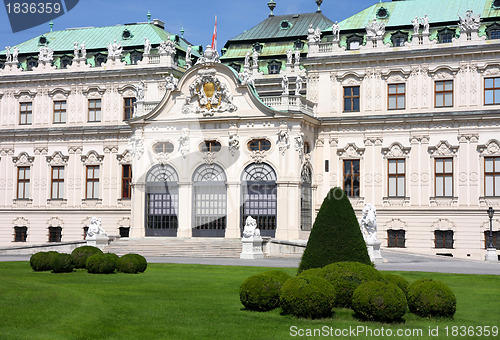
(272, 5)
(51, 24)
(149, 17)
(319, 2)
(182, 32)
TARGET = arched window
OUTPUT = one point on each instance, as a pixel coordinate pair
(209, 201)
(306, 199)
(259, 197)
(162, 201)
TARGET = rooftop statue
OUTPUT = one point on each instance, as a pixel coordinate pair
(115, 50)
(416, 25)
(46, 54)
(336, 31)
(8, 55)
(15, 54)
(471, 22)
(425, 23)
(375, 29)
(147, 46)
(83, 50)
(247, 59)
(297, 56)
(298, 85)
(284, 84)
(289, 56)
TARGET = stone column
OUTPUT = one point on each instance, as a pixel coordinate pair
(288, 211)
(138, 213)
(233, 228)
(184, 214)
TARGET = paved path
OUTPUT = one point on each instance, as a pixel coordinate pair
(395, 261)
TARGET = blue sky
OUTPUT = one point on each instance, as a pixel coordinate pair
(196, 16)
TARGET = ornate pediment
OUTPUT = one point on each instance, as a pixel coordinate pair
(443, 224)
(92, 158)
(492, 148)
(21, 222)
(208, 95)
(23, 159)
(57, 158)
(396, 150)
(55, 222)
(351, 150)
(443, 149)
(396, 224)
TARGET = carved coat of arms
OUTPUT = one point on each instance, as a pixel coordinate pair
(208, 95)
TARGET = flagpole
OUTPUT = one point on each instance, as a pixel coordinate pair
(214, 36)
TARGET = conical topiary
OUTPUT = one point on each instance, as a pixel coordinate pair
(335, 235)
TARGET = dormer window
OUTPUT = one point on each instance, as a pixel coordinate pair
(445, 36)
(399, 38)
(382, 13)
(257, 47)
(43, 40)
(285, 24)
(274, 67)
(354, 42)
(493, 31)
(496, 4)
(235, 66)
(127, 34)
(31, 63)
(298, 44)
(65, 62)
(135, 57)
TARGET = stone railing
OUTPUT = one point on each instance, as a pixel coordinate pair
(290, 103)
(154, 59)
(325, 47)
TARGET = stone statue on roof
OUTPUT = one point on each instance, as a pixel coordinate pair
(255, 58)
(45, 55)
(375, 29)
(76, 49)
(115, 50)
(83, 50)
(471, 22)
(15, 54)
(317, 34)
(247, 59)
(167, 47)
(416, 25)
(284, 84)
(147, 46)
(8, 55)
(188, 56)
(336, 31)
(289, 56)
(297, 56)
(298, 85)
(425, 24)
(171, 82)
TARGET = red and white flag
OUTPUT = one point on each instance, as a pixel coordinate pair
(214, 36)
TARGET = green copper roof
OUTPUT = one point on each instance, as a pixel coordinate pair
(272, 27)
(401, 13)
(98, 38)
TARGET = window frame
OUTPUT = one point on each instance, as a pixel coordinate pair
(495, 174)
(444, 174)
(25, 183)
(94, 180)
(444, 244)
(261, 142)
(166, 147)
(397, 95)
(496, 238)
(55, 234)
(59, 181)
(493, 89)
(22, 236)
(26, 113)
(352, 98)
(443, 93)
(210, 145)
(397, 233)
(62, 112)
(352, 176)
(128, 110)
(95, 110)
(396, 175)
(126, 182)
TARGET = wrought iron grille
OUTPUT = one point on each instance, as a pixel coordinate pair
(259, 197)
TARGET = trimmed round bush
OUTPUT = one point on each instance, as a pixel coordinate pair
(62, 263)
(131, 263)
(312, 272)
(430, 298)
(101, 263)
(81, 254)
(398, 280)
(260, 292)
(307, 296)
(278, 275)
(42, 261)
(379, 301)
(345, 277)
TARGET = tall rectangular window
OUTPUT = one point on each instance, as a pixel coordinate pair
(55, 234)
(126, 181)
(491, 91)
(496, 239)
(396, 96)
(396, 238)
(25, 113)
(396, 180)
(94, 110)
(444, 93)
(351, 99)
(21, 234)
(128, 108)
(23, 182)
(60, 111)
(492, 176)
(57, 191)
(444, 177)
(92, 191)
(351, 178)
(443, 239)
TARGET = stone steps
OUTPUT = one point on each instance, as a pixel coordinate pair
(199, 247)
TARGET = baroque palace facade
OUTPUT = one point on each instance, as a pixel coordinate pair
(398, 105)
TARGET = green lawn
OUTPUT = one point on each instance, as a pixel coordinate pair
(172, 301)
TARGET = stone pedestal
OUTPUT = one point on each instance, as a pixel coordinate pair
(252, 248)
(374, 251)
(491, 255)
(98, 241)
